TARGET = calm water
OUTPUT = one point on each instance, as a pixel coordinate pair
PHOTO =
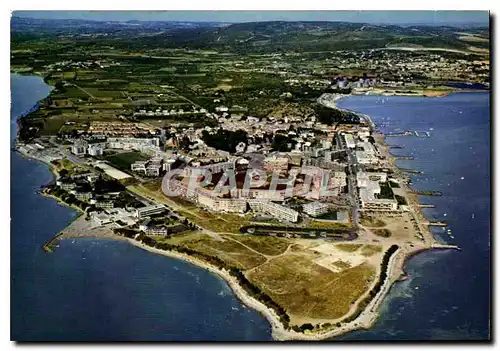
(447, 295)
(92, 289)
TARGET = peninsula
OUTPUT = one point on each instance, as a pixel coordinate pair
(239, 163)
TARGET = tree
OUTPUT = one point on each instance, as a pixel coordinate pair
(63, 173)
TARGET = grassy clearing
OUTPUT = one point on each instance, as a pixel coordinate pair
(372, 222)
(179, 239)
(233, 253)
(341, 264)
(308, 290)
(384, 233)
(230, 251)
(268, 245)
(124, 160)
(370, 250)
(348, 247)
(323, 225)
(71, 167)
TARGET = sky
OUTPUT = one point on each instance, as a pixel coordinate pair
(373, 17)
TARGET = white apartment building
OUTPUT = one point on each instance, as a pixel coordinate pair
(79, 147)
(96, 149)
(349, 140)
(133, 143)
(369, 187)
(139, 166)
(275, 210)
(143, 212)
(315, 209)
(215, 203)
(370, 202)
(263, 194)
(364, 158)
(363, 178)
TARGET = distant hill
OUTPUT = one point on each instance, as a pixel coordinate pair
(273, 36)
(66, 26)
(314, 36)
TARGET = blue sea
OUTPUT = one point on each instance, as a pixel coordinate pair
(448, 294)
(102, 290)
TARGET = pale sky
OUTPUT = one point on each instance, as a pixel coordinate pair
(374, 17)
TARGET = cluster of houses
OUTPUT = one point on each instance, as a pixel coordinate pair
(252, 192)
(152, 167)
(96, 146)
(368, 182)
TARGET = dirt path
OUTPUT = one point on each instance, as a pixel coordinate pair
(85, 91)
(249, 248)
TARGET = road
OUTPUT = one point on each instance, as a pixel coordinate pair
(351, 183)
(85, 91)
(64, 152)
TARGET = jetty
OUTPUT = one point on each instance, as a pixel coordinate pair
(422, 134)
(426, 206)
(407, 133)
(52, 243)
(445, 247)
(411, 171)
(435, 224)
(428, 192)
(403, 157)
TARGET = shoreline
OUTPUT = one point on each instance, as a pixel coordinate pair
(365, 320)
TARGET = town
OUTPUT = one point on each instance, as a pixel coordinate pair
(226, 146)
(284, 171)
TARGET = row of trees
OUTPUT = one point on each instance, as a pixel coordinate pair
(401, 200)
(257, 293)
(225, 139)
(68, 198)
(386, 191)
(331, 116)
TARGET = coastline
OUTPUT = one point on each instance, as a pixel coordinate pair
(366, 319)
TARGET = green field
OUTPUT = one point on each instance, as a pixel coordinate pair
(308, 290)
(125, 159)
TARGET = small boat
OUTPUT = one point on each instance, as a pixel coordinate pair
(445, 214)
(462, 178)
(472, 216)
